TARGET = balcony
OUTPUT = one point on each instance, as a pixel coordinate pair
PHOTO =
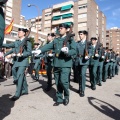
(47, 25)
(63, 12)
(62, 4)
(82, 19)
(82, 10)
(62, 21)
(82, 2)
(48, 18)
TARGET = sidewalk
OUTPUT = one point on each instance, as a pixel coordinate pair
(101, 104)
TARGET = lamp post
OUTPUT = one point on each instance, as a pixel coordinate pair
(38, 10)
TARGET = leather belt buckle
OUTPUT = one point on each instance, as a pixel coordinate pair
(57, 55)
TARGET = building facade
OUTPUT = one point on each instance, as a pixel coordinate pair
(13, 11)
(84, 14)
(113, 39)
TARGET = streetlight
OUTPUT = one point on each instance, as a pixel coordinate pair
(38, 10)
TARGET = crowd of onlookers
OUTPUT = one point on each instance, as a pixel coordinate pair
(5, 64)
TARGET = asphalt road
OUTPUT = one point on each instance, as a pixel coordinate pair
(101, 104)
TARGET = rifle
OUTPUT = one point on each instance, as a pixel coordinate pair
(97, 46)
(68, 37)
(86, 46)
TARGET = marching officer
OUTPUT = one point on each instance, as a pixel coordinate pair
(106, 65)
(117, 64)
(48, 61)
(114, 63)
(110, 65)
(94, 60)
(64, 48)
(21, 62)
(37, 61)
(2, 21)
(100, 65)
(82, 60)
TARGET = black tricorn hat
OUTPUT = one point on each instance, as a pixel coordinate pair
(65, 25)
(51, 34)
(93, 38)
(22, 29)
(83, 31)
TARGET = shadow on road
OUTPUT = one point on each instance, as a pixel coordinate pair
(105, 108)
(117, 95)
(5, 106)
(51, 93)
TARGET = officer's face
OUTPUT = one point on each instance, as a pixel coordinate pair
(82, 36)
(21, 34)
(94, 42)
(49, 38)
(62, 30)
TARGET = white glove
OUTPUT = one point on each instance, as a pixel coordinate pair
(19, 55)
(65, 49)
(96, 55)
(13, 55)
(108, 60)
(36, 52)
(103, 57)
(87, 57)
(50, 55)
(112, 60)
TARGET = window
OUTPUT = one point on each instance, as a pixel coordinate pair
(8, 13)
(107, 35)
(47, 22)
(82, 16)
(9, 9)
(82, 24)
(47, 14)
(82, 6)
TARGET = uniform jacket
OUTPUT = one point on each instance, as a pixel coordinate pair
(61, 59)
(80, 58)
(23, 60)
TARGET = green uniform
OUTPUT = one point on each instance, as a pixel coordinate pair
(110, 65)
(114, 64)
(37, 64)
(117, 65)
(94, 61)
(100, 67)
(82, 64)
(19, 65)
(62, 64)
(105, 67)
(48, 64)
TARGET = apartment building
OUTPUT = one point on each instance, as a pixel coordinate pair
(113, 39)
(84, 14)
(13, 11)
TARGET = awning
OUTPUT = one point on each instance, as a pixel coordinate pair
(67, 15)
(56, 17)
(67, 7)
